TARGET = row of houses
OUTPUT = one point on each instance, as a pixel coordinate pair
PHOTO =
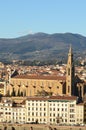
(46, 110)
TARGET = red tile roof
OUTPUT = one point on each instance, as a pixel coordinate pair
(41, 77)
(53, 98)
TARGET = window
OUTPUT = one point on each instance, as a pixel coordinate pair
(57, 109)
(28, 108)
(62, 109)
(28, 113)
(58, 115)
(32, 108)
(71, 110)
(65, 115)
(71, 116)
(58, 87)
(68, 89)
(65, 109)
(44, 114)
(44, 120)
(54, 114)
(65, 120)
(65, 104)
(68, 71)
(71, 105)
(36, 113)
(32, 113)
(32, 119)
(44, 109)
(28, 119)
(50, 114)
(40, 114)
(54, 120)
(53, 109)
(36, 108)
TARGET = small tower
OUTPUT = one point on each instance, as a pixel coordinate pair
(70, 74)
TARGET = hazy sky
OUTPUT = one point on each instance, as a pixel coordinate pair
(21, 17)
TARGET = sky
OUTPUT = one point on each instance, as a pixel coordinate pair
(22, 17)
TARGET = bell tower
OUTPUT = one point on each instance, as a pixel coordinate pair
(70, 74)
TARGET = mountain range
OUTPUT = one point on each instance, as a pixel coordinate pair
(42, 46)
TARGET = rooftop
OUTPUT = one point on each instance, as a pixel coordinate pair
(53, 98)
(40, 77)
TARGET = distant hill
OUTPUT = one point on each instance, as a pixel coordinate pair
(42, 46)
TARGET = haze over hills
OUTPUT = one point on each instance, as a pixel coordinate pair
(42, 46)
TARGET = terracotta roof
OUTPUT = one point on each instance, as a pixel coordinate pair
(53, 98)
(40, 77)
(80, 104)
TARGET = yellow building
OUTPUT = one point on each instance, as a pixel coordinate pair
(33, 85)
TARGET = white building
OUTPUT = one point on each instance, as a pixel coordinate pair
(6, 110)
(52, 110)
(12, 112)
(80, 113)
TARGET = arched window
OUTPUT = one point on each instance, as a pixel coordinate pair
(68, 89)
(68, 71)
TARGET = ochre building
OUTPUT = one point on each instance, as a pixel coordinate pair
(34, 85)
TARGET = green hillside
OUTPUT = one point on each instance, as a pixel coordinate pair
(42, 46)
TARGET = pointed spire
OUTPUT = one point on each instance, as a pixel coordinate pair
(70, 50)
